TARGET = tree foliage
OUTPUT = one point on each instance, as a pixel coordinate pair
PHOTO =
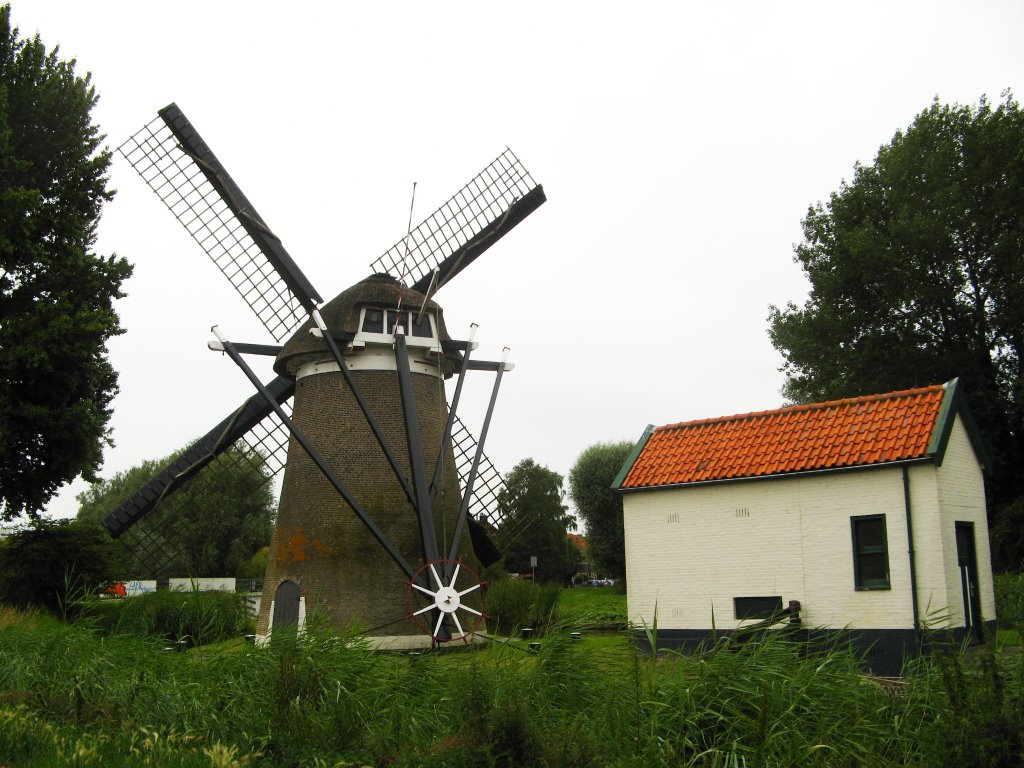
(590, 481)
(53, 564)
(56, 296)
(532, 499)
(213, 525)
(916, 269)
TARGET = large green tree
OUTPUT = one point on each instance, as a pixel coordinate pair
(531, 503)
(56, 295)
(212, 526)
(916, 271)
(590, 481)
(53, 564)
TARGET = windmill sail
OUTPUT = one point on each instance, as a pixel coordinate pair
(176, 163)
(471, 221)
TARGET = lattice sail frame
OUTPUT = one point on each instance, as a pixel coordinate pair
(486, 197)
(179, 182)
(487, 489)
(264, 447)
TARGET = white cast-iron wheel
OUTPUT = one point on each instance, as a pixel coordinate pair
(446, 597)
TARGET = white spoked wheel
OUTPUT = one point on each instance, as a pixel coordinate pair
(446, 597)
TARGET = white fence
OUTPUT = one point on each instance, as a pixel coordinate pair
(202, 585)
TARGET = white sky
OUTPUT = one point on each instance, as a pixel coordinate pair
(679, 146)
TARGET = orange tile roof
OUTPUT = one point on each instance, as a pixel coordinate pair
(842, 433)
(579, 541)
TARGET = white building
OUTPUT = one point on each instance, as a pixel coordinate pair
(869, 512)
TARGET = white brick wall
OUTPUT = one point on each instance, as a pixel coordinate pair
(961, 492)
(690, 551)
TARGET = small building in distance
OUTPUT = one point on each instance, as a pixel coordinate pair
(869, 512)
(584, 568)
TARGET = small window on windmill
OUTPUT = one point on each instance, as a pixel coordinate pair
(421, 326)
(373, 321)
(399, 318)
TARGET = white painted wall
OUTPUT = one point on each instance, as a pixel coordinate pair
(691, 550)
(961, 491)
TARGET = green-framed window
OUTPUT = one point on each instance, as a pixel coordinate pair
(870, 552)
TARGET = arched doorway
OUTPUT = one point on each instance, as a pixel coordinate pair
(286, 605)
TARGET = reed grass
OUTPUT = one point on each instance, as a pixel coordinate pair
(71, 695)
(192, 618)
(513, 604)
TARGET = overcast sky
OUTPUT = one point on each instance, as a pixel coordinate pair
(679, 146)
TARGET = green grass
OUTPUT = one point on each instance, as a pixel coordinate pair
(596, 607)
(1008, 638)
(70, 695)
(192, 618)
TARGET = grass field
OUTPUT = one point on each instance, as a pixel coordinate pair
(73, 696)
(596, 607)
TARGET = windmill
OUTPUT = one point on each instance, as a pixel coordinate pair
(374, 522)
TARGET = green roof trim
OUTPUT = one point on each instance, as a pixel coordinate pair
(631, 459)
(954, 402)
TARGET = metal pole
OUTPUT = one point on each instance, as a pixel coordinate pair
(423, 502)
(471, 479)
(446, 439)
(424, 509)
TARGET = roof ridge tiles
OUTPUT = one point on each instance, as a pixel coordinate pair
(785, 410)
(856, 431)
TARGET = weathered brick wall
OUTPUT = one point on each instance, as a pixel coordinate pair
(318, 541)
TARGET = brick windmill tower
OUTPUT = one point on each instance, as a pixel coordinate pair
(375, 527)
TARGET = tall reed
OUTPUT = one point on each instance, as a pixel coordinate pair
(313, 699)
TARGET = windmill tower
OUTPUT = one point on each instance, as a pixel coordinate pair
(374, 515)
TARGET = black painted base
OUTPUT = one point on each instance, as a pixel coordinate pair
(881, 651)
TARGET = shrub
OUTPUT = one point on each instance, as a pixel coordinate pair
(53, 564)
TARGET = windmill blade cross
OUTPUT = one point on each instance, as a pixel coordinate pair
(172, 158)
(177, 164)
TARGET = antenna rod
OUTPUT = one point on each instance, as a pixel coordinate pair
(405, 258)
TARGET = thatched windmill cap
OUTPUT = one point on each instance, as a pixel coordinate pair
(341, 315)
